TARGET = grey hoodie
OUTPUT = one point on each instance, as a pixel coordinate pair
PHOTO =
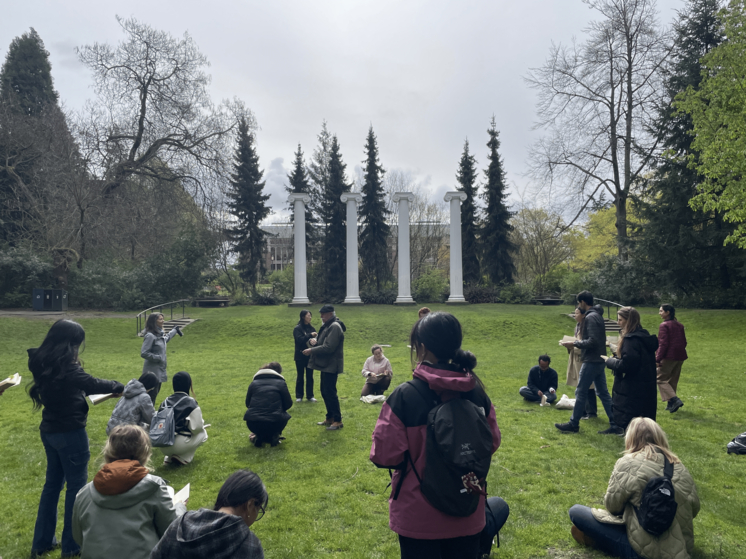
(134, 407)
(208, 533)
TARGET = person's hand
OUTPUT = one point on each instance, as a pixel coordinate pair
(552, 390)
(567, 344)
(312, 341)
(604, 357)
(307, 351)
(314, 334)
(540, 393)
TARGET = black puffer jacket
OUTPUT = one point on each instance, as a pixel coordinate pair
(268, 398)
(302, 333)
(635, 392)
(593, 344)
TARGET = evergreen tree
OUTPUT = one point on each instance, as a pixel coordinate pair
(497, 248)
(467, 177)
(26, 75)
(334, 217)
(299, 184)
(318, 173)
(247, 203)
(375, 231)
(683, 248)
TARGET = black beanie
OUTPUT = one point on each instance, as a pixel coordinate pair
(182, 382)
(148, 380)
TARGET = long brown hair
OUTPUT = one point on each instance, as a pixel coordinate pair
(644, 435)
(632, 317)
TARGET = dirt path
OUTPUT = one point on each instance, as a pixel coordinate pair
(50, 315)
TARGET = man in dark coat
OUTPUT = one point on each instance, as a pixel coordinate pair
(635, 386)
(327, 356)
(268, 401)
(542, 381)
(592, 370)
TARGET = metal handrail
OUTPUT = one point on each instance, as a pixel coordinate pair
(142, 316)
(608, 305)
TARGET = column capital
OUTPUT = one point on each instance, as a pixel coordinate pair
(455, 194)
(347, 196)
(403, 196)
(305, 198)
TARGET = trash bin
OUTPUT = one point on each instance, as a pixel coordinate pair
(37, 299)
(59, 300)
(47, 300)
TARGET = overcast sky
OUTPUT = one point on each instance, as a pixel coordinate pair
(426, 74)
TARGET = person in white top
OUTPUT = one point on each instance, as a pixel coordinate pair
(377, 372)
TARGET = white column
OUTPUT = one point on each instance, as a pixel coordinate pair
(457, 274)
(299, 259)
(353, 280)
(405, 284)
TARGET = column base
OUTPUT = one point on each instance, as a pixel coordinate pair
(299, 302)
(457, 301)
(404, 300)
(352, 301)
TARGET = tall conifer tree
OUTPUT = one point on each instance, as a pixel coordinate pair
(334, 217)
(247, 202)
(26, 75)
(375, 231)
(299, 184)
(497, 248)
(467, 178)
(318, 174)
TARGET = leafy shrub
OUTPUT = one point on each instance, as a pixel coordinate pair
(516, 294)
(383, 297)
(430, 287)
(265, 297)
(283, 283)
(481, 294)
(21, 271)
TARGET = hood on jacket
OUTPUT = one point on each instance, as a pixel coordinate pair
(269, 373)
(443, 378)
(119, 477)
(649, 342)
(332, 321)
(198, 532)
(133, 388)
(596, 308)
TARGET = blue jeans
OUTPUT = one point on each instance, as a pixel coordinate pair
(610, 538)
(67, 461)
(590, 373)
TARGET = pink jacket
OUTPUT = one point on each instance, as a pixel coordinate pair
(411, 515)
(671, 342)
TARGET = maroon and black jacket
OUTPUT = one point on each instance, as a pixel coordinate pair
(671, 342)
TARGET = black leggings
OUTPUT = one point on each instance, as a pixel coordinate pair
(302, 370)
(466, 547)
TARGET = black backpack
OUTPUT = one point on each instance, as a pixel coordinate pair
(658, 506)
(458, 453)
(738, 445)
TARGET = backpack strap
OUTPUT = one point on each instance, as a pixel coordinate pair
(667, 466)
(407, 458)
(424, 390)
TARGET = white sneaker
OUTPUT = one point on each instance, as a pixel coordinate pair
(313, 400)
(299, 399)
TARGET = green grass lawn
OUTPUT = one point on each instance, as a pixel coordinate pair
(326, 498)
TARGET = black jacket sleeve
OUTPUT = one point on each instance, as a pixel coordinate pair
(287, 401)
(552, 378)
(248, 395)
(533, 379)
(595, 332)
(301, 337)
(629, 362)
(78, 378)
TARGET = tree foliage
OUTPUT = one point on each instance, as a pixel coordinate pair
(335, 219)
(467, 180)
(374, 237)
(299, 184)
(26, 75)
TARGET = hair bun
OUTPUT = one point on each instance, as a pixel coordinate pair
(465, 359)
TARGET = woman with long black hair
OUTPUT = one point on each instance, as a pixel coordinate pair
(60, 386)
(154, 350)
(303, 333)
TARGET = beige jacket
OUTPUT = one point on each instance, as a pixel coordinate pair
(631, 474)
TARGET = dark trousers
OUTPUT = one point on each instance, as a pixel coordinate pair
(591, 404)
(378, 388)
(329, 394)
(591, 373)
(267, 431)
(610, 538)
(301, 371)
(532, 396)
(466, 547)
(67, 462)
(153, 393)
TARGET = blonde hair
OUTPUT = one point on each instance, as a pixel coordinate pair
(632, 317)
(645, 435)
(128, 442)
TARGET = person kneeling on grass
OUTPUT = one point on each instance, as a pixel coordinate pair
(619, 532)
(221, 533)
(125, 510)
(190, 427)
(377, 372)
(267, 401)
(542, 381)
(135, 406)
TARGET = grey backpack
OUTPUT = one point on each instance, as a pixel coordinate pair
(163, 425)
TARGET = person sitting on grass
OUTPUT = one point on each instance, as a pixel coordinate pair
(618, 532)
(125, 510)
(190, 427)
(542, 381)
(377, 372)
(221, 533)
(267, 401)
(135, 407)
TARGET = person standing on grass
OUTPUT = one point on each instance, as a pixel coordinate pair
(633, 394)
(592, 371)
(154, 350)
(327, 356)
(401, 432)
(60, 386)
(304, 334)
(670, 356)
(542, 381)
(573, 368)
(618, 532)
(267, 401)
(377, 372)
